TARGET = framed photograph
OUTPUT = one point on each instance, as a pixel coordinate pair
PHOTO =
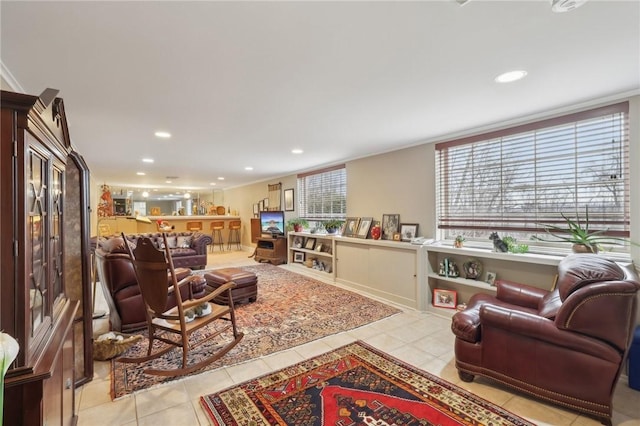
(491, 278)
(310, 243)
(260, 205)
(298, 241)
(390, 223)
(265, 203)
(445, 298)
(351, 227)
(298, 257)
(408, 231)
(318, 247)
(255, 209)
(363, 228)
(288, 200)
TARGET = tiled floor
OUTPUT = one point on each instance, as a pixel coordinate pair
(422, 339)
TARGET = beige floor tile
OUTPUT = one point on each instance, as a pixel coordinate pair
(411, 355)
(112, 413)
(385, 342)
(208, 382)
(433, 345)
(314, 348)
(183, 414)
(95, 393)
(539, 412)
(242, 372)
(282, 359)
(165, 396)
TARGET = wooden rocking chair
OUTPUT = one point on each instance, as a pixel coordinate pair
(172, 326)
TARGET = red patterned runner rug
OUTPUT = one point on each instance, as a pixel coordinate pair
(353, 385)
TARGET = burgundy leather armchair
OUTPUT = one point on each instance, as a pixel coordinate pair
(566, 346)
(120, 286)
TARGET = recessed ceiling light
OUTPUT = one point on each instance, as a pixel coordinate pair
(147, 160)
(140, 173)
(162, 134)
(187, 195)
(145, 194)
(297, 151)
(560, 6)
(510, 76)
(168, 181)
(220, 178)
(248, 168)
(212, 184)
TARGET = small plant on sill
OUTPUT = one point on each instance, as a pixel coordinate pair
(297, 224)
(459, 241)
(332, 225)
(513, 246)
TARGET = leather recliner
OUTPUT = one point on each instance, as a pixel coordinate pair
(120, 286)
(566, 346)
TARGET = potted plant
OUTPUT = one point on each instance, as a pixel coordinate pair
(459, 241)
(297, 224)
(577, 233)
(332, 225)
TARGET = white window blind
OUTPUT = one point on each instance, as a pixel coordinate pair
(323, 193)
(516, 179)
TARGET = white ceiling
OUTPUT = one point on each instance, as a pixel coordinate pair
(242, 83)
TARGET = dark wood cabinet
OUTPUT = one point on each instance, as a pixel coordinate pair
(272, 250)
(45, 289)
(256, 230)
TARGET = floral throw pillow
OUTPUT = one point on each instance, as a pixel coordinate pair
(184, 241)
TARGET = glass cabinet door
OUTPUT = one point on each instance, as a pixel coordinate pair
(57, 257)
(36, 250)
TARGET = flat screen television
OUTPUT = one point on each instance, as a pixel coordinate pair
(272, 222)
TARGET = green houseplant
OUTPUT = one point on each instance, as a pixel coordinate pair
(332, 225)
(297, 224)
(577, 232)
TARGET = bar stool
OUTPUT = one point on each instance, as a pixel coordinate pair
(216, 234)
(194, 226)
(234, 234)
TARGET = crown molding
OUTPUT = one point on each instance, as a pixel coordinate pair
(8, 77)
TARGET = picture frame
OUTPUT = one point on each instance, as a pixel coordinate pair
(289, 200)
(298, 241)
(364, 226)
(265, 203)
(408, 231)
(298, 257)
(310, 243)
(255, 209)
(445, 298)
(260, 205)
(397, 236)
(491, 278)
(318, 247)
(351, 227)
(390, 223)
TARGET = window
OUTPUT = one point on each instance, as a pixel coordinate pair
(514, 180)
(323, 193)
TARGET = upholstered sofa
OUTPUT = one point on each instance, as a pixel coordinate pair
(120, 287)
(566, 346)
(188, 249)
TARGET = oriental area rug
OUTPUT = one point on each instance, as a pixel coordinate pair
(291, 310)
(353, 385)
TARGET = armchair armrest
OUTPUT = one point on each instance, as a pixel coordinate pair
(544, 330)
(519, 294)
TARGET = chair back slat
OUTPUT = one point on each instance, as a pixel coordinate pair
(152, 270)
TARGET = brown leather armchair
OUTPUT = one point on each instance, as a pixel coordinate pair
(120, 286)
(566, 346)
